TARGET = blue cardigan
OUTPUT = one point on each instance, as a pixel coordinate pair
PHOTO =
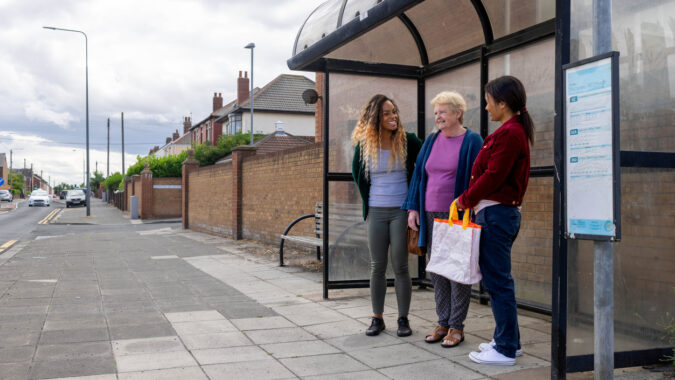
(471, 145)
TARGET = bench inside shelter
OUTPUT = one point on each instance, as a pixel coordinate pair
(346, 228)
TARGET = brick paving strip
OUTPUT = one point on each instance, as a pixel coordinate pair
(143, 302)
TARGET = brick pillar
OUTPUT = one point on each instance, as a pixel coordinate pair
(127, 189)
(318, 109)
(239, 153)
(146, 200)
(189, 165)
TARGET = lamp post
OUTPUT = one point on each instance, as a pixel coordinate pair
(86, 76)
(251, 46)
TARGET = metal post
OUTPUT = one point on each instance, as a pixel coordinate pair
(107, 171)
(86, 79)
(10, 173)
(31, 177)
(122, 143)
(603, 252)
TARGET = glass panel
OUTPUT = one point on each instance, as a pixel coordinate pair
(531, 255)
(644, 268)
(356, 8)
(509, 16)
(534, 66)
(349, 258)
(466, 81)
(320, 23)
(644, 34)
(348, 94)
(375, 46)
(447, 27)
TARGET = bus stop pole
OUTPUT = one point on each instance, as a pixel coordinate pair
(603, 251)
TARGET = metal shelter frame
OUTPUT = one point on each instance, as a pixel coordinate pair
(313, 58)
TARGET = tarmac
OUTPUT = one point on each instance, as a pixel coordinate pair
(103, 298)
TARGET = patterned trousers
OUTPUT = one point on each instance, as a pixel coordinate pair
(452, 298)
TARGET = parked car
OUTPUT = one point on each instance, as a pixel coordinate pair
(75, 197)
(62, 194)
(6, 195)
(39, 198)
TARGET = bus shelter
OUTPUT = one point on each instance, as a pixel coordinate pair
(412, 49)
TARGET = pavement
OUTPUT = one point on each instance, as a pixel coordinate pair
(102, 298)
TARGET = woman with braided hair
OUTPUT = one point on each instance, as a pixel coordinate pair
(383, 163)
(498, 182)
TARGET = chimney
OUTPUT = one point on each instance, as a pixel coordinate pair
(187, 124)
(168, 140)
(217, 101)
(242, 88)
(176, 135)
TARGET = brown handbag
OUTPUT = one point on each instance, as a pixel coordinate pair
(413, 237)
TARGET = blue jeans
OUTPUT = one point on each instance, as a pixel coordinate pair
(499, 228)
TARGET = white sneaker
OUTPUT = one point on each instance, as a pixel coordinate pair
(491, 357)
(491, 345)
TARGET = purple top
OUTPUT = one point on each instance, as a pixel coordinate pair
(441, 170)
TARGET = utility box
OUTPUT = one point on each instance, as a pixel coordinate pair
(133, 209)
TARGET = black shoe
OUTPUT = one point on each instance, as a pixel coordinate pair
(403, 327)
(376, 327)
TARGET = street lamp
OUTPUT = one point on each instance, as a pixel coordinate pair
(86, 76)
(251, 46)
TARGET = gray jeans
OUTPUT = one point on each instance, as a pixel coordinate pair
(387, 228)
(452, 298)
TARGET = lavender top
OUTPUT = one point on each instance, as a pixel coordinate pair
(441, 170)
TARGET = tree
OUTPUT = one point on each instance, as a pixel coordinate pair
(208, 154)
(17, 183)
(96, 181)
(62, 186)
(113, 182)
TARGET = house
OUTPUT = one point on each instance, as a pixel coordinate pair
(176, 143)
(279, 100)
(4, 171)
(32, 180)
(275, 142)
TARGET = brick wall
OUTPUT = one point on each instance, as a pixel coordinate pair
(210, 199)
(166, 203)
(279, 187)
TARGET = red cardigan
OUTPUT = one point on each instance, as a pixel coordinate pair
(502, 169)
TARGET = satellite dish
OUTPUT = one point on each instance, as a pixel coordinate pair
(310, 96)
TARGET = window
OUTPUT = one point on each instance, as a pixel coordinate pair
(234, 123)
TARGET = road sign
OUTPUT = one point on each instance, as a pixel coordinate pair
(2, 181)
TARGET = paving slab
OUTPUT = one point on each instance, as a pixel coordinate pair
(293, 349)
(263, 323)
(228, 339)
(433, 369)
(230, 355)
(256, 369)
(379, 357)
(192, 373)
(323, 364)
(72, 368)
(358, 375)
(157, 360)
(292, 334)
(146, 346)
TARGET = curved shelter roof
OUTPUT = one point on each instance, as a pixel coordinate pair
(410, 33)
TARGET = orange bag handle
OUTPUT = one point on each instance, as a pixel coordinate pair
(454, 215)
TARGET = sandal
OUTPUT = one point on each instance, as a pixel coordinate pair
(436, 335)
(454, 338)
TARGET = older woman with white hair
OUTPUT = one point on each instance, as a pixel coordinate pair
(442, 173)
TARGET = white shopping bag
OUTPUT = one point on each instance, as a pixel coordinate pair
(455, 248)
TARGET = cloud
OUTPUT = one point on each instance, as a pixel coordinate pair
(59, 163)
(38, 112)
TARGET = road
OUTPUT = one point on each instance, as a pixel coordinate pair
(20, 224)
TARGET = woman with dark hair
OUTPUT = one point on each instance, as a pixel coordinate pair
(383, 163)
(498, 182)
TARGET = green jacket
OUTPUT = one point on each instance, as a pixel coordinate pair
(414, 146)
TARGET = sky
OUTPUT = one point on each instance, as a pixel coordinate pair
(156, 61)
